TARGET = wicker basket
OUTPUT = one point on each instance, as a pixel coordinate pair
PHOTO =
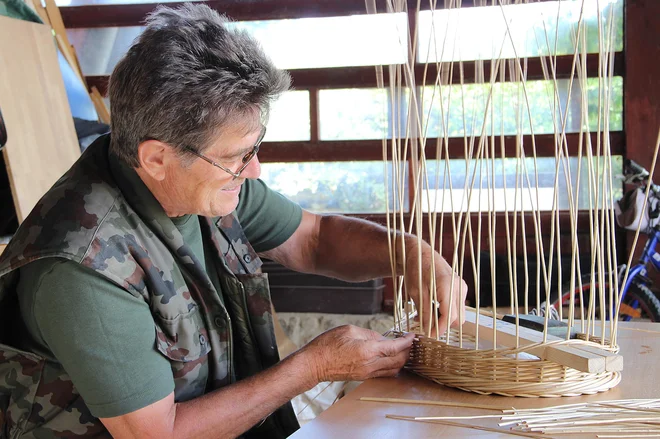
(502, 371)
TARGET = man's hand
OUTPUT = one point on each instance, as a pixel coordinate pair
(352, 353)
(451, 289)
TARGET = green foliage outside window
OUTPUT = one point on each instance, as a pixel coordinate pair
(349, 187)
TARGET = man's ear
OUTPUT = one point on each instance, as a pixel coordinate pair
(154, 157)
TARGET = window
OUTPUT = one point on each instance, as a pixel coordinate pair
(333, 121)
(534, 29)
(508, 108)
(359, 40)
(340, 187)
(289, 117)
(368, 113)
(291, 44)
(511, 184)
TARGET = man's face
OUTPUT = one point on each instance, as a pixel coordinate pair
(203, 189)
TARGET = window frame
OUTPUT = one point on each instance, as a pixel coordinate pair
(641, 87)
(315, 79)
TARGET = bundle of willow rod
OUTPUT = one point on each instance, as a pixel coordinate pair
(463, 363)
(607, 419)
(620, 418)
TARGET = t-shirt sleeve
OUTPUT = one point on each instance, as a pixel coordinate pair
(103, 336)
(267, 217)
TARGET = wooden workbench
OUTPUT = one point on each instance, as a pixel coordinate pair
(352, 418)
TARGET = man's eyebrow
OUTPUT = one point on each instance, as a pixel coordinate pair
(243, 151)
(239, 153)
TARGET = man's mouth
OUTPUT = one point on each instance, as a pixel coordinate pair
(232, 189)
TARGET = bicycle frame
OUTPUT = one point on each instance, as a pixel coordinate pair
(648, 255)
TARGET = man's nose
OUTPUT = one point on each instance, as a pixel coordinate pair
(253, 169)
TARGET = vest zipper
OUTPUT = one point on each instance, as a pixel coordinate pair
(230, 349)
(249, 325)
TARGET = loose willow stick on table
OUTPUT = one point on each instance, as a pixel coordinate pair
(437, 403)
(617, 416)
(454, 418)
(473, 427)
(627, 435)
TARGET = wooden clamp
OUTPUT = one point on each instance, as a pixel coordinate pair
(583, 358)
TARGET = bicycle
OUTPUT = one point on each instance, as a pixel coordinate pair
(638, 299)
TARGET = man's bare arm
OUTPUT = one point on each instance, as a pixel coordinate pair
(344, 353)
(356, 250)
(342, 247)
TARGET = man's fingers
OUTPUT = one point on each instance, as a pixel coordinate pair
(457, 299)
(389, 363)
(385, 373)
(442, 324)
(394, 347)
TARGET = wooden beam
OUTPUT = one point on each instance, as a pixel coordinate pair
(641, 86)
(106, 13)
(41, 11)
(359, 150)
(365, 76)
(546, 219)
(613, 362)
(641, 81)
(99, 104)
(590, 360)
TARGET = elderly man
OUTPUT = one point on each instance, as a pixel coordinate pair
(132, 300)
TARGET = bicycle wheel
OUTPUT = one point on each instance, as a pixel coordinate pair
(647, 301)
(640, 302)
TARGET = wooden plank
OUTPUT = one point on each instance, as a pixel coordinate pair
(42, 142)
(570, 356)
(2, 248)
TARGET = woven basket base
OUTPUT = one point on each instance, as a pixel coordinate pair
(507, 372)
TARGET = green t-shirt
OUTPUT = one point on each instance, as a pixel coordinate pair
(104, 336)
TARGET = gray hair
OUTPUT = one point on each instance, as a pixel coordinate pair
(185, 78)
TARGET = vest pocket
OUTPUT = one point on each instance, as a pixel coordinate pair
(184, 341)
(183, 338)
(38, 399)
(20, 376)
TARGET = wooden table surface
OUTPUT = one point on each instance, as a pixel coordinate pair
(352, 418)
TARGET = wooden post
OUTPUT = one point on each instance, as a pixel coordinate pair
(642, 79)
(641, 87)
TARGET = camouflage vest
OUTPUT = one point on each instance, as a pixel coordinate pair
(95, 219)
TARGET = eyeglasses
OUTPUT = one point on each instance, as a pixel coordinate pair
(245, 160)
